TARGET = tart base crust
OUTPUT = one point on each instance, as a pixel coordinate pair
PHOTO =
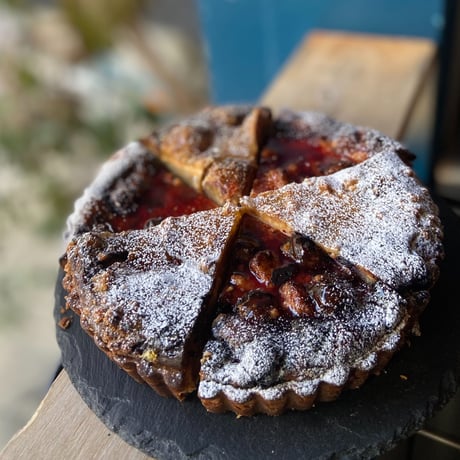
(223, 163)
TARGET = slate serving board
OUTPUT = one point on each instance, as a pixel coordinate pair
(361, 423)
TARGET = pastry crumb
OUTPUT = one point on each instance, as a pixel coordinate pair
(65, 322)
(150, 356)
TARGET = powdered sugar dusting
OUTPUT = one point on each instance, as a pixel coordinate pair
(375, 214)
(109, 172)
(345, 138)
(270, 358)
(155, 281)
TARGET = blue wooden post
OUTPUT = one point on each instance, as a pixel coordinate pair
(247, 41)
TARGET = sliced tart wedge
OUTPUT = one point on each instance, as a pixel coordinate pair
(376, 215)
(295, 326)
(215, 151)
(131, 190)
(146, 296)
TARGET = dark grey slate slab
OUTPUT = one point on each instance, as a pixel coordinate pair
(361, 424)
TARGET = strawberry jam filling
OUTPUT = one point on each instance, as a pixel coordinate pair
(147, 196)
(166, 196)
(285, 160)
(273, 276)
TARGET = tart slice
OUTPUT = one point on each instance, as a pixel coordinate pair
(295, 326)
(309, 144)
(145, 295)
(376, 215)
(131, 190)
(216, 150)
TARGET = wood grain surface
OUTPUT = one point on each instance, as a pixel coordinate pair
(367, 80)
(64, 427)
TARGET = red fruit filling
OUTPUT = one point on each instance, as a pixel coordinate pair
(145, 197)
(273, 276)
(285, 160)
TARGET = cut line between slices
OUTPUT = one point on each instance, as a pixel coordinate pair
(249, 205)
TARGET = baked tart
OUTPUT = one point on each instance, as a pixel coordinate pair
(266, 263)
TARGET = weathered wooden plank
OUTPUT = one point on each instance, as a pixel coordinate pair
(64, 427)
(362, 79)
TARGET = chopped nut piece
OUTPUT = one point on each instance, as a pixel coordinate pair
(241, 281)
(258, 304)
(296, 299)
(262, 266)
(65, 322)
(294, 248)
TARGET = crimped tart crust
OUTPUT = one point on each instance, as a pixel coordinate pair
(295, 321)
(144, 295)
(273, 366)
(313, 271)
(376, 215)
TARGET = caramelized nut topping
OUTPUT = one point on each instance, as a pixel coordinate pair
(296, 299)
(294, 248)
(258, 304)
(286, 159)
(262, 266)
(274, 275)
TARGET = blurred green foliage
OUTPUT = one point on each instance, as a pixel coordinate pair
(98, 21)
(39, 119)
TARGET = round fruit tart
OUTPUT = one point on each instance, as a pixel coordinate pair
(265, 263)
